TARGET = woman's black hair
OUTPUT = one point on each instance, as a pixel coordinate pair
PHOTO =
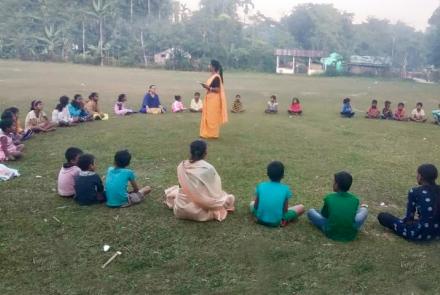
(64, 101)
(177, 97)
(13, 110)
(198, 150)
(34, 103)
(121, 97)
(75, 102)
(429, 174)
(295, 99)
(217, 67)
(7, 115)
(93, 94)
(6, 123)
(347, 100)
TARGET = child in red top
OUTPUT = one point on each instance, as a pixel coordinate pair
(295, 108)
(400, 113)
(373, 112)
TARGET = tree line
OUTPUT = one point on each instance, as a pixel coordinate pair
(130, 32)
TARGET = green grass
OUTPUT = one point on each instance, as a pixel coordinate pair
(163, 255)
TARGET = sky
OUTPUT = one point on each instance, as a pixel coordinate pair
(412, 12)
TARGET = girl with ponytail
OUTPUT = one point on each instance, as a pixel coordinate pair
(215, 110)
(199, 195)
(422, 220)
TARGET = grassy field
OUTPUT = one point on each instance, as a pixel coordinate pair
(162, 255)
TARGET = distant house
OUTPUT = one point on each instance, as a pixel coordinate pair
(292, 61)
(161, 58)
(369, 65)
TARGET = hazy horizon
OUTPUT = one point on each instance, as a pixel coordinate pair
(415, 13)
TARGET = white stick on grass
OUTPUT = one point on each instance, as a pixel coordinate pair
(111, 259)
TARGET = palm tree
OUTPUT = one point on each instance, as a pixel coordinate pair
(101, 9)
(51, 39)
(247, 5)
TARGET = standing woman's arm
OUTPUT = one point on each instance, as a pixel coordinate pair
(215, 85)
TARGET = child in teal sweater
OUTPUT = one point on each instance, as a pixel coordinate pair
(271, 206)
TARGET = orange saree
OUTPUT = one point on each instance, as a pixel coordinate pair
(215, 111)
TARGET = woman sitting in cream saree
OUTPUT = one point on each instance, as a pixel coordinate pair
(200, 196)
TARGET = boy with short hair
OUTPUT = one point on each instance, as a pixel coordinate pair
(272, 105)
(68, 172)
(340, 218)
(418, 114)
(196, 104)
(373, 112)
(400, 113)
(387, 113)
(347, 110)
(117, 180)
(271, 207)
(88, 185)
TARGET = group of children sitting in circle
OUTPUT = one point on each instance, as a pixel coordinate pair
(399, 114)
(340, 218)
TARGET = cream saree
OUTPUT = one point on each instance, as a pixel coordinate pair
(200, 196)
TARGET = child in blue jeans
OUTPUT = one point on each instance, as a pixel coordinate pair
(271, 206)
(340, 218)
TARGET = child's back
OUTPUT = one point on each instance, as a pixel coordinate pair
(116, 184)
(340, 210)
(271, 205)
(340, 218)
(88, 188)
(88, 185)
(272, 197)
(66, 180)
(68, 172)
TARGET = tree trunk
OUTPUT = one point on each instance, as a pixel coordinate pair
(148, 7)
(131, 11)
(143, 49)
(83, 40)
(101, 41)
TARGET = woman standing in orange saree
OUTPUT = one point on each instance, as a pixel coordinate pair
(215, 110)
(199, 195)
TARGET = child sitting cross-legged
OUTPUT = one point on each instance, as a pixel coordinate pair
(422, 219)
(116, 183)
(418, 114)
(177, 106)
(237, 105)
(387, 113)
(295, 108)
(8, 150)
(347, 110)
(400, 113)
(340, 218)
(120, 108)
(436, 115)
(67, 174)
(373, 112)
(88, 185)
(271, 206)
(272, 105)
